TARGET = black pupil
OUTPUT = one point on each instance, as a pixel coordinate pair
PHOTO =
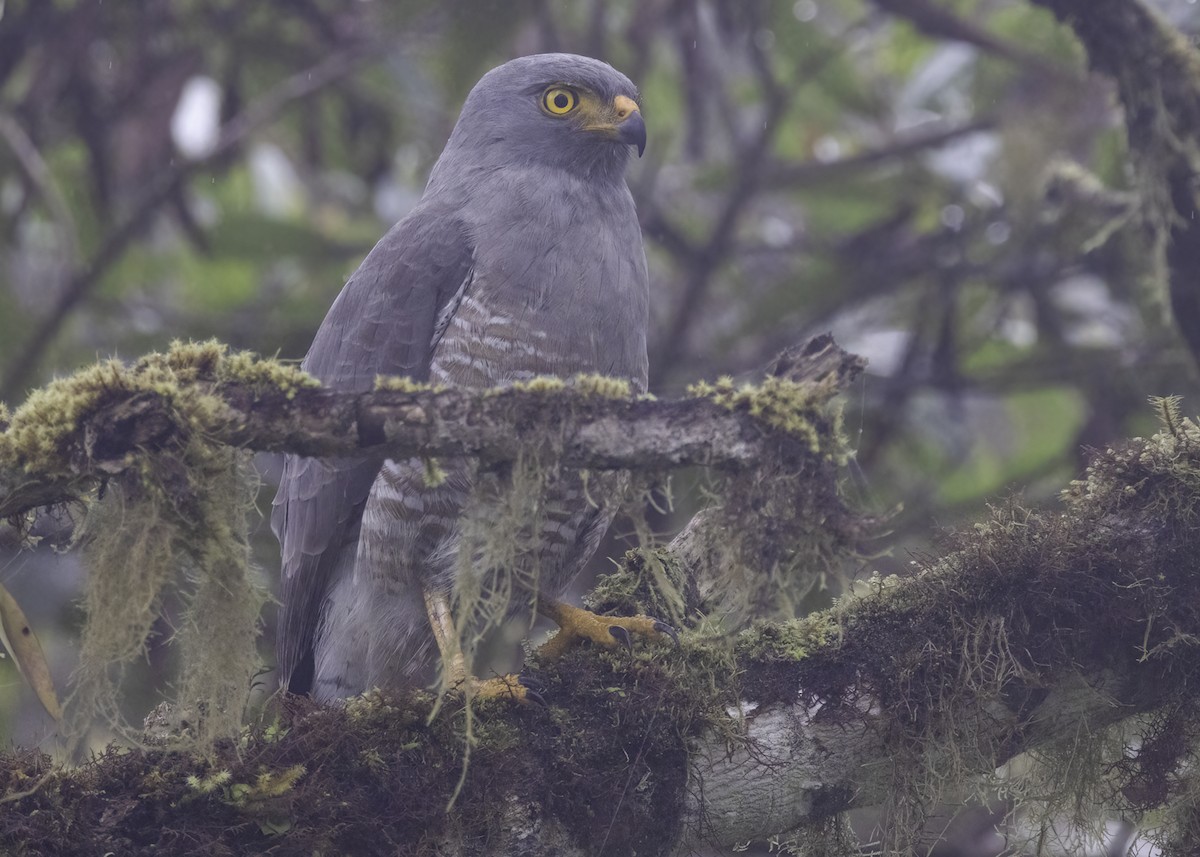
(562, 100)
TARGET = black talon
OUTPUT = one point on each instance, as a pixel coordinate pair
(621, 636)
(531, 682)
(664, 628)
(533, 687)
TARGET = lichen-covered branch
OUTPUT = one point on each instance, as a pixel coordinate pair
(1034, 632)
(103, 420)
(1157, 75)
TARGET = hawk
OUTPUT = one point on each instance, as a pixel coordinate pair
(523, 258)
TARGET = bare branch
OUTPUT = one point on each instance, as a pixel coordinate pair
(938, 22)
(37, 171)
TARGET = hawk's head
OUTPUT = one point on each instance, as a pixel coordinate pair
(554, 110)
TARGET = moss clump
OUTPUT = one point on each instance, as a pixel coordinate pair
(403, 384)
(39, 430)
(775, 642)
(796, 408)
(541, 384)
(650, 581)
(587, 384)
(603, 386)
(249, 368)
(175, 519)
(267, 785)
(43, 434)
(208, 783)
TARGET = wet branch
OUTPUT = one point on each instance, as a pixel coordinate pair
(585, 428)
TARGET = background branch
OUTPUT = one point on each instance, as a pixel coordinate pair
(166, 186)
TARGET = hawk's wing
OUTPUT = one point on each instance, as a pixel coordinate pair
(384, 322)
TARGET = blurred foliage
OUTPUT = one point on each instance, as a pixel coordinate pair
(837, 165)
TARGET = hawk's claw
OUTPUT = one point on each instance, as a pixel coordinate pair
(664, 628)
(622, 636)
(531, 682)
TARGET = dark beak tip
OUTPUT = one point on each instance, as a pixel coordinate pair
(633, 132)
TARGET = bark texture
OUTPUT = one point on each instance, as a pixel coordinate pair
(107, 420)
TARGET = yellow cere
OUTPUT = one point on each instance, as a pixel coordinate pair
(624, 106)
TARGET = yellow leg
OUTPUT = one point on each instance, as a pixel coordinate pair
(577, 624)
(442, 623)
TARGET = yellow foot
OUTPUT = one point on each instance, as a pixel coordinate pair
(576, 624)
(503, 687)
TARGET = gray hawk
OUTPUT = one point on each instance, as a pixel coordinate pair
(523, 258)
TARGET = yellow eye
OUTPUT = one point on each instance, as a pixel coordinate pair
(559, 101)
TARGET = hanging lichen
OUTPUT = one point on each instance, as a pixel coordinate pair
(174, 520)
(777, 529)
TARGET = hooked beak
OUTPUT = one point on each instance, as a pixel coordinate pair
(631, 130)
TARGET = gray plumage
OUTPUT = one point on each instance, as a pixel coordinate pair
(523, 258)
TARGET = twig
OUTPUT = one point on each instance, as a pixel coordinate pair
(39, 175)
(808, 173)
(940, 23)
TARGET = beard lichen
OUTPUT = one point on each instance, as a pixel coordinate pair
(174, 519)
(516, 512)
(498, 565)
(778, 529)
(1062, 632)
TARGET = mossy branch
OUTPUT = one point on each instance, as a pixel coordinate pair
(1157, 74)
(1034, 629)
(1035, 632)
(103, 420)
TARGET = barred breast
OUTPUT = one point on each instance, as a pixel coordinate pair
(411, 532)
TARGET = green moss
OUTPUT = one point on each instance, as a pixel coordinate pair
(789, 641)
(208, 783)
(248, 368)
(176, 519)
(42, 430)
(603, 386)
(38, 430)
(586, 384)
(796, 408)
(434, 474)
(649, 581)
(403, 384)
(541, 384)
(266, 786)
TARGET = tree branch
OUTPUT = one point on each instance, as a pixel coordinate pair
(1035, 628)
(116, 416)
(1157, 74)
